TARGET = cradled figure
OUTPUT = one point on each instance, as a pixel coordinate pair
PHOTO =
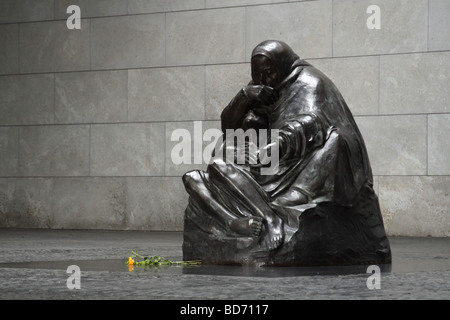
(317, 206)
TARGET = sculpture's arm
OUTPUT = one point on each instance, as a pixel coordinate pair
(234, 113)
(299, 136)
(252, 96)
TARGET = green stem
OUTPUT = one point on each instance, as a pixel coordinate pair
(161, 261)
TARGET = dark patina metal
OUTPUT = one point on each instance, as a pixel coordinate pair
(318, 207)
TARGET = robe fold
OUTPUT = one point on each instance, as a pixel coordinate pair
(323, 159)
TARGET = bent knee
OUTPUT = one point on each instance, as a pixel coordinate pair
(292, 198)
(218, 166)
(191, 177)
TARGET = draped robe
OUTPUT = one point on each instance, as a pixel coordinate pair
(322, 155)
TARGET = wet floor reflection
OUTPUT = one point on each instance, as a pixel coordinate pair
(109, 265)
(400, 264)
(119, 265)
(274, 272)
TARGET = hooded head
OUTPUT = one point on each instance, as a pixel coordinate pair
(272, 62)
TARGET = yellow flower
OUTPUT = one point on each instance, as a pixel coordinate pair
(131, 261)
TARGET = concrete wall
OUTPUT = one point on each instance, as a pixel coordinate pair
(86, 115)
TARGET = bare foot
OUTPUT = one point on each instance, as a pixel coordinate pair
(247, 226)
(275, 233)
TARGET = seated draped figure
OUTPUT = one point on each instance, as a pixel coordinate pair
(316, 206)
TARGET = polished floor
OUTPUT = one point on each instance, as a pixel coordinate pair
(34, 264)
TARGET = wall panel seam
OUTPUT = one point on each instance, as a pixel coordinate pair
(215, 64)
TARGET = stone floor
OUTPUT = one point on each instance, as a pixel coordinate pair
(33, 265)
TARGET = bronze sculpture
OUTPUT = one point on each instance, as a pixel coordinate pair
(318, 207)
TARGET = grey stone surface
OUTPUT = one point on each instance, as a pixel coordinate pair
(294, 23)
(231, 3)
(376, 185)
(26, 203)
(118, 203)
(414, 83)
(205, 37)
(54, 150)
(200, 150)
(404, 25)
(54, 76)
(91, 97)
(9, 150)
(51, 285)
(420, 271)
(131, 149)
(415, 205)
(439, 22)
(26, 99)
(51, 46)
(89, 203)
(222, 83)
(25, 10)
(156, 203)
(397, 145)
(128, 41)
(182, 132)
(357, 80)
(438, 144)
(21, 245)
(146, 6)
(89, 8)
(9, 51)
(166, 94)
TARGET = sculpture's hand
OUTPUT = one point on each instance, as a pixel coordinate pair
(263, 94)
(250, 151)
(280, 146)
